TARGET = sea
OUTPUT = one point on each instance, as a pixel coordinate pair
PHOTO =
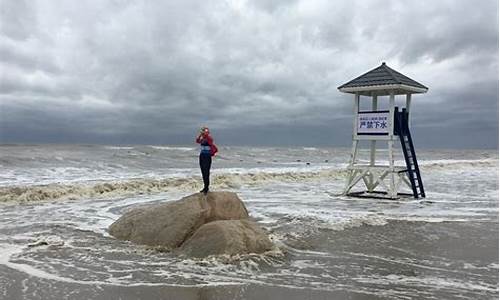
(57, 202)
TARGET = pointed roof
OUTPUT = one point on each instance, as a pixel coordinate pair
(382, 81)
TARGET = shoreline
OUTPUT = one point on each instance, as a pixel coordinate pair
(391, 261)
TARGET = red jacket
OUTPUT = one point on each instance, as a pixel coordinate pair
(210, 141)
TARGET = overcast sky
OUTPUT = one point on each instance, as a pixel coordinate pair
(256, 72)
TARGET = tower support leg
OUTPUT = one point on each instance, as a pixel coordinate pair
(352, 173)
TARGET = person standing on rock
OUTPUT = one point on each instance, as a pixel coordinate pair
(208, 149)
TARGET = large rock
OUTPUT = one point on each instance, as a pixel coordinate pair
(227, 237)
(170, 224)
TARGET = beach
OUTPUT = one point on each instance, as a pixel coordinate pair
(57, 201)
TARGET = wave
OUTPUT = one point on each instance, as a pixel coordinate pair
(446, 163)
(109, 189)
(315, 223)
(449, 164)
(119, 147)
(173, 148)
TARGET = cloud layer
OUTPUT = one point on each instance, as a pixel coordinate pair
(256, 72)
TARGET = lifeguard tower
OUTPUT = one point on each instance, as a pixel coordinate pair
(378, 124)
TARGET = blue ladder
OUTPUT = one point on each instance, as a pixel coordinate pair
(403, 131)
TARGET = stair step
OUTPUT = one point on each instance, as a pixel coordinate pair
(410, 158)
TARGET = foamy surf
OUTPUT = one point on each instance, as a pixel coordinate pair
(231, 178)
(325, 242)
(173, 148)
(108, 189)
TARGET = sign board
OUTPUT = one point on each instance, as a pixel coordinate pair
(373, 122)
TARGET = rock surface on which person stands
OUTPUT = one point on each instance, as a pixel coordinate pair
(196, 225)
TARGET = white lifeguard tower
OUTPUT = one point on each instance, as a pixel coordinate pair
(382, 178)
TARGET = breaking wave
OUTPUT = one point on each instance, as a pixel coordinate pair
(173, 148)
(109, 189)
(310, 224)
(119, 147)
(446, 164)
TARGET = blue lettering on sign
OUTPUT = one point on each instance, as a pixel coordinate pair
(373, 123)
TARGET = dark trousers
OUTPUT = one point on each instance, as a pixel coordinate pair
(205, 164)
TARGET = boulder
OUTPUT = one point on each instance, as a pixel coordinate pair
(227, 237)
(169, 224)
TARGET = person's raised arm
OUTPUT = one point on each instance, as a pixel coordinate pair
(198, 139)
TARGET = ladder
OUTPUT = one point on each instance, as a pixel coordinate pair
(403, 131)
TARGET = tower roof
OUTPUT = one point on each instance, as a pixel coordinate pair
(382, 81)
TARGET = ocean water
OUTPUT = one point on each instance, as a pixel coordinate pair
(57, 201)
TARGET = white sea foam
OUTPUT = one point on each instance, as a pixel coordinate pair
(116, 184)
(8, 251)
(446, 163)
(291, 198)
(431, 282)
(119, 147)
(151, 185)
(51, 240)
(173, 148)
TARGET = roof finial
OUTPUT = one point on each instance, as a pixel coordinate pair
(383, 63)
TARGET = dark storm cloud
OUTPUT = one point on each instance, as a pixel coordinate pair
(257, 72)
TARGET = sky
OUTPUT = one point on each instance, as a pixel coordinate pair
(256, 72)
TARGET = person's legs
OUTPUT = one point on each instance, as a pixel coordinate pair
(209, 165)
(205, 164)
(202, 168)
